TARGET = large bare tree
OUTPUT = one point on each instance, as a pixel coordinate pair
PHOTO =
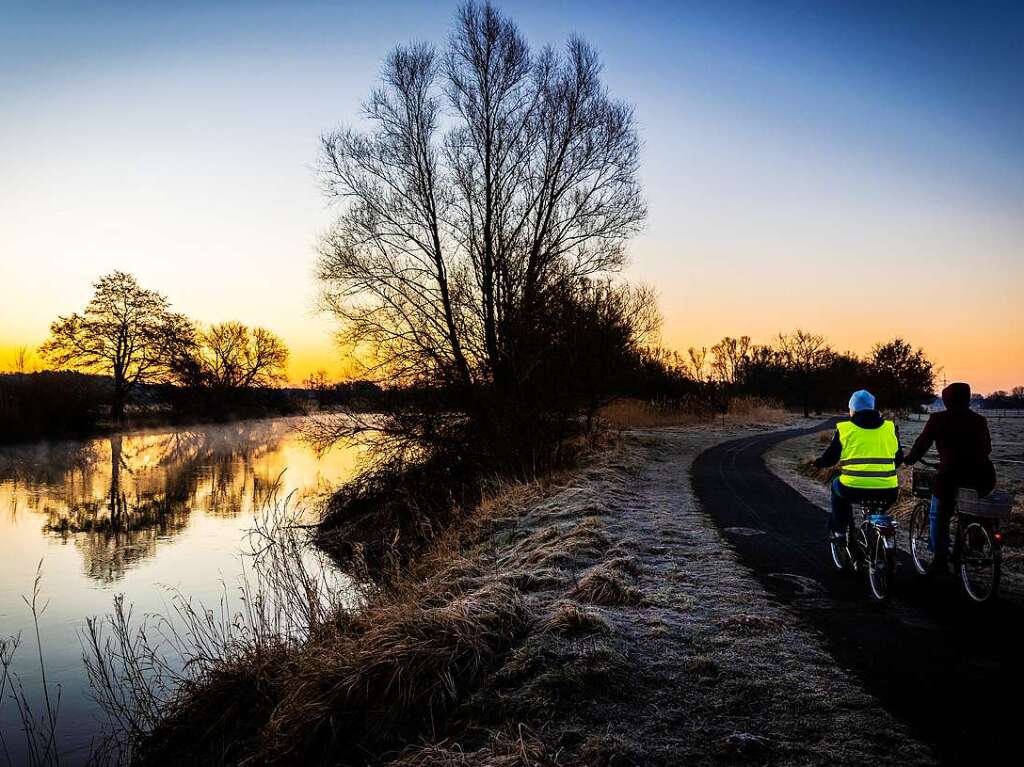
(125, 331)
(490, 177)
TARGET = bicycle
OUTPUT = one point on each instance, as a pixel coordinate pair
(869, 548)
(975, 546)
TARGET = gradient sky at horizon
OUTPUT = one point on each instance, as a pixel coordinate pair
(851, 168)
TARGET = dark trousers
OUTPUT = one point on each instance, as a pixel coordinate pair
(938, 525)
(844, 498)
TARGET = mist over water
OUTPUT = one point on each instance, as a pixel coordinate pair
(139, 514)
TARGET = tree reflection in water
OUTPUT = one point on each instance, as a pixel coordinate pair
(117, 498)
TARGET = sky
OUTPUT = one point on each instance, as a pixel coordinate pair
(854, 169)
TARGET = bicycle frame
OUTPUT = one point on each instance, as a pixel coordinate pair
(974, 548)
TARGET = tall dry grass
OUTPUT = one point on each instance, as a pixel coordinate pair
(297, 672)
(142, 668)
(38, 728)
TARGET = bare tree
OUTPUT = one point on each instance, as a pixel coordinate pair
(125, 331)
(806, 354)
(22, 360)
(319, 383)
(452, 242)
(728, 357)
(697, 367)
(231, 355)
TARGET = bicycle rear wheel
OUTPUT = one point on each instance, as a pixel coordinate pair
(839, 549)
(881, 568)
(980, 562)
(921, 539)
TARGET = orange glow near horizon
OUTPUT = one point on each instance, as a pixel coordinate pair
(988, 361)
(858, 173)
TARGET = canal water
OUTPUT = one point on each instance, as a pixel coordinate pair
(142, 515)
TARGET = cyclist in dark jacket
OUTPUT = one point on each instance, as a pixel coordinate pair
(964, 445)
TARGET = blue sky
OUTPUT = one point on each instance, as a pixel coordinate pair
(798, 156)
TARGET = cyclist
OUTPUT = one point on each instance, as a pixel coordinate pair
(964, 446)
(867, 449)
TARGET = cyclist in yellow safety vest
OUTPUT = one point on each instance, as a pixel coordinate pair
(867, 449)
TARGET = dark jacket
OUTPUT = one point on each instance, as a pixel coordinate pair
(865, 419)
(962, 439)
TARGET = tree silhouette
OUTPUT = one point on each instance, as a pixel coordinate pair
(806, 355)
(125, 331)
(494, 180)
(900, 374)
(697, 365)
(231, 355)
(728, 357)
(22, 360)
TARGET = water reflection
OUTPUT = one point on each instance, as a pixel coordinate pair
(138, 515)
(117, 499)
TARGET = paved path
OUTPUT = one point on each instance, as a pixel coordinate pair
(953, 671)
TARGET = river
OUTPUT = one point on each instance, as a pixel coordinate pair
(139, 514)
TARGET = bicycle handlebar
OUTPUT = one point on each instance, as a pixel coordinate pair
(935, 465)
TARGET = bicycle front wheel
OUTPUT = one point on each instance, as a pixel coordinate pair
(881, 569)
(980, 562)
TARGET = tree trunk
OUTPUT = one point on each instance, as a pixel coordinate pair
(117, 401)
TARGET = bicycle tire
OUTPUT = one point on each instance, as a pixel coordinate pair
(880, 570)
(920, 538)
(980, 532)
(840, 554)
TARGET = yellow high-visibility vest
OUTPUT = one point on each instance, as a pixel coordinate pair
(868, 460)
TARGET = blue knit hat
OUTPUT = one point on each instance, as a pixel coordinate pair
(862, 400)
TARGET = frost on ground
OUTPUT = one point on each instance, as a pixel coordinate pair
(592, 618)
(655, 646)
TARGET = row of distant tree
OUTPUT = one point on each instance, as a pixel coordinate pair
(1005, 400)
(798, 369)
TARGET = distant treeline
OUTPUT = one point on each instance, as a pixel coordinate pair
(1005, 400)
(799, 369)
(58, 403)
(52, 404)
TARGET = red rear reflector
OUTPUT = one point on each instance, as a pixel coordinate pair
(998, 536)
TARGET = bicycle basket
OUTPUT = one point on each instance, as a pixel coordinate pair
(994, 505)
(922, 482)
